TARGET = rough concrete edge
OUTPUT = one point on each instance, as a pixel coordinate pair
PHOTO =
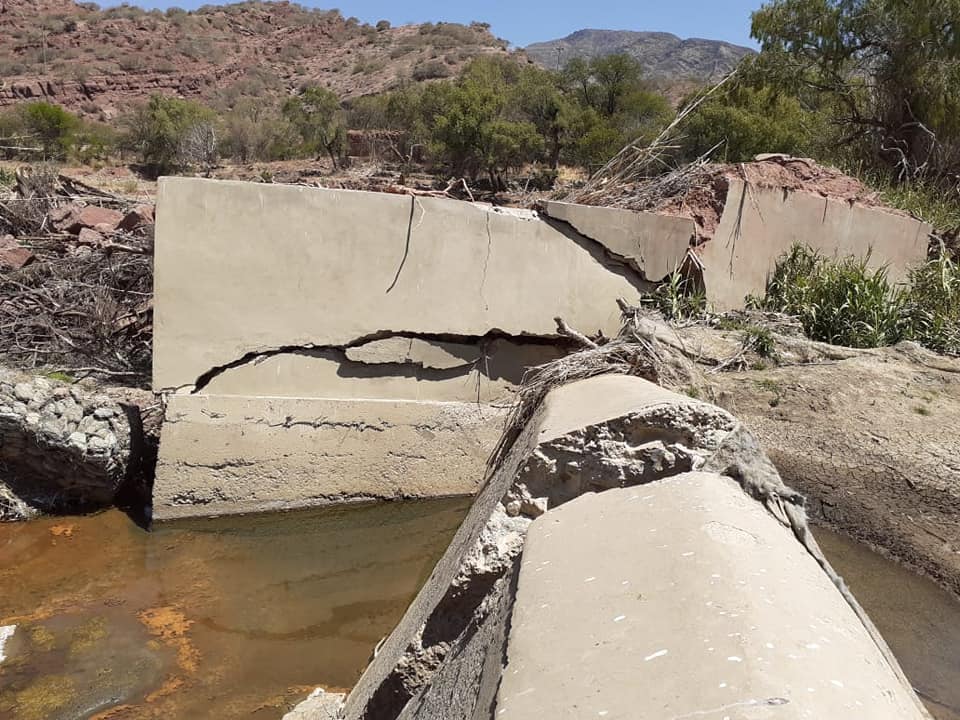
(742, 458)
(635, 263)
(737, 455)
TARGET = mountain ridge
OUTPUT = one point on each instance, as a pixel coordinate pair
(663, 55)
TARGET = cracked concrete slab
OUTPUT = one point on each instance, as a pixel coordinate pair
(434, 354)
(759, 225)
(223, 454)
(446, 659)
(248, 267)
(654, 245)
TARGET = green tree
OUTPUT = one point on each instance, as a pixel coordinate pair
(891, 69)
(253, 130)
(475, 128)
(318, 117)
(51, 126)
(615, 106)
(745, 121)
(167, 133)
(539, 97)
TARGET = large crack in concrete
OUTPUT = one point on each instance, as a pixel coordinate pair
(610, 261)
(402, 367)
(632, 450)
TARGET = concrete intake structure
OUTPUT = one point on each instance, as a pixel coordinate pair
(328, 345)
(633, 555)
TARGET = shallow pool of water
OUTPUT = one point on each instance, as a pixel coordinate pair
(234, 617)
(919, 620)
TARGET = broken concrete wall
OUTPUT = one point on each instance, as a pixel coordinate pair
(446, 657)
(283, 292)
(247, 268)
(652, 244)
(233, 454)
(759, 224)
(279, 308)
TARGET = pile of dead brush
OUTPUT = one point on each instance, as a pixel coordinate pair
(76, 278)
(642, 177)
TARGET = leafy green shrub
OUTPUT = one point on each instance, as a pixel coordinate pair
(932, 305)
(316, 114)
(844, 302)
(165, 130)
(760, 340)
(677, 298)
(431, 70)
(53, 126)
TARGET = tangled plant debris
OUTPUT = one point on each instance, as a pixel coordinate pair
(76, 277)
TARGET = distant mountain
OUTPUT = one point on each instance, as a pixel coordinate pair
(663, 56)
(100, 62)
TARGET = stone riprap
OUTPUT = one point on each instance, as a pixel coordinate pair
(61, 446)
(446, 658)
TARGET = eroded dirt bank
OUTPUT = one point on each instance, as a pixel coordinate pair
(871, 440)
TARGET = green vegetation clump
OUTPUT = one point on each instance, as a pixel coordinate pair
(677, 298)
(169, 134)
(845, 302)
(317, 116)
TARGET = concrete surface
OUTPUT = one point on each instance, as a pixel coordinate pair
(463, 607)
(247, 267)
(228, 454)
(448, 651)
(759, 225)
(654, 245)
(320, 705)
(685, 598)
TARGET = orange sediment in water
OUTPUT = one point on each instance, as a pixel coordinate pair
(233, 617)
(171, 626)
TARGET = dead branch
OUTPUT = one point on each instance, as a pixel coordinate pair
(567, 331)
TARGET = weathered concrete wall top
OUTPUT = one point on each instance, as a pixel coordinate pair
(685, 599)
(653, 244)
(246, 267)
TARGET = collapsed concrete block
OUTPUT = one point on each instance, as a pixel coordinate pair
(652, 244)
(681, 599)
(234, 454)
(760, 224)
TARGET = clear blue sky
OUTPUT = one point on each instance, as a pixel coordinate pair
(525, 21)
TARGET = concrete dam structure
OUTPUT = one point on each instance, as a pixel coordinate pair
(631, 553)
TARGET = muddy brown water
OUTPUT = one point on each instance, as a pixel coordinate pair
(227, 618)
(242, 617)
(919, 620)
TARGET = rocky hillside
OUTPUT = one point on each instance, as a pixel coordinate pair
(663, 56)
(97, 62)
